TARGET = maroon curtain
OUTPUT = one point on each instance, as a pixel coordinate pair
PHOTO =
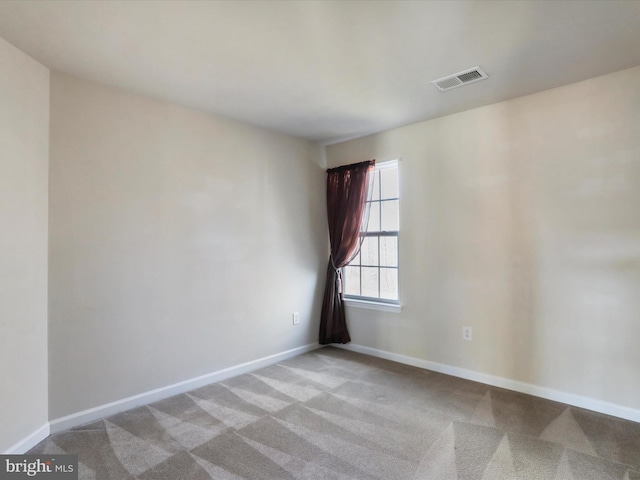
(347, 190)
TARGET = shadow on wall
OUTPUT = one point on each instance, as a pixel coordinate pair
(295, 188)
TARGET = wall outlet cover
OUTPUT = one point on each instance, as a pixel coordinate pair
(467, 333)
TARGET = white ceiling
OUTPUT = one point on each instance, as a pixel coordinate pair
(327, 70)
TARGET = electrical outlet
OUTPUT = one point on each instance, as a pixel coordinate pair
(467, 333)
(296, 318)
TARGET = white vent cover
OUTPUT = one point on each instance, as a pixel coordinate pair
(458, 79)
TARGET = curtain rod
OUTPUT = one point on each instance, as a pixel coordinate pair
(351, 166)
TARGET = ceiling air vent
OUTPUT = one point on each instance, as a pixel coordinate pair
(458, 79)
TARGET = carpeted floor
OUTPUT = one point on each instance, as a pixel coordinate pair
(334, 414)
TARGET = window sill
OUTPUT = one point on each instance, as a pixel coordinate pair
(379, 306)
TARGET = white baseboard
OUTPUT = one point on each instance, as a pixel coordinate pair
(501, 382)
(29, 441)
(101, 411)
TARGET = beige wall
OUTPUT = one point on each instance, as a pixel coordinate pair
(180, 244)
(522, 220)
(24, 144)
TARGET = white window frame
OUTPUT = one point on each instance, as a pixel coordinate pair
(373, 303)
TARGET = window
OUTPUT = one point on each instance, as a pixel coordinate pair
(373, 274)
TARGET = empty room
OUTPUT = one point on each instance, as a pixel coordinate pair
(351, 240)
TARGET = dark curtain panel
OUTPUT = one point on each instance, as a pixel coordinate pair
(347, 190)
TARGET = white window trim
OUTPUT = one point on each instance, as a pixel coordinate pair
(373, 305)
(380, 305)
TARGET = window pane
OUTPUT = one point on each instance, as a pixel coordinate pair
(390, 215)
(389, 251)
(356, 260)
(351, 278)
(375, 194)
(374, 217)
(389, 182)
(389, 283)
(369, 282)
(369, 251)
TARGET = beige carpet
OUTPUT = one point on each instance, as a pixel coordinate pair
(334, 414)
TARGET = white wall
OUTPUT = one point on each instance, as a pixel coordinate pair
(180, 244)
(522, 220)
(24, 144)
